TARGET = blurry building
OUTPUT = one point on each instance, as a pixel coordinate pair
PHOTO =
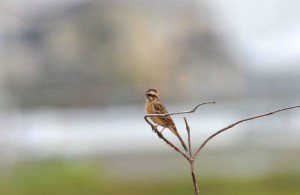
(109, 53)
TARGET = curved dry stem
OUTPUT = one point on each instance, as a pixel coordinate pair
(243, 120)
(182, 112)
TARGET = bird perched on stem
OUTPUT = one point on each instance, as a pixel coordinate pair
(154, 106)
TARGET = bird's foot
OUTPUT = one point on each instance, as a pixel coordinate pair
(154, 127)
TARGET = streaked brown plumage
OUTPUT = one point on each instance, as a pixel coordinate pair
(154, 106)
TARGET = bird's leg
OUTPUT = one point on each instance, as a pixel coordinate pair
(155, 126)
(162, 130)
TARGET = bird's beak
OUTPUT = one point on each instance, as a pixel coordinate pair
(144, 95)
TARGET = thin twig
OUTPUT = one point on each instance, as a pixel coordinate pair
(189, 136)
(173, 113)
(243, 120)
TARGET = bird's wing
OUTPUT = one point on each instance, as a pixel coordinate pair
(159, 108)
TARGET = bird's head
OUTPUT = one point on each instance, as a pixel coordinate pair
(151, 95)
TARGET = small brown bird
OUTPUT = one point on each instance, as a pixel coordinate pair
(154, 106)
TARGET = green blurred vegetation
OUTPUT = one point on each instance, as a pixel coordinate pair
(83, 177)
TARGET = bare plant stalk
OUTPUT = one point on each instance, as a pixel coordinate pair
(196, 190)
(191, 158)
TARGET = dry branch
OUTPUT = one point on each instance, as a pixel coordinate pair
(191, 158)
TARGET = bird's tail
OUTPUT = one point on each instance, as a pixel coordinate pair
(174, 130)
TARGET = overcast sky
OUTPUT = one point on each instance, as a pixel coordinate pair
(264, 33)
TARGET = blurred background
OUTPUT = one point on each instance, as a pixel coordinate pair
(72, 77)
